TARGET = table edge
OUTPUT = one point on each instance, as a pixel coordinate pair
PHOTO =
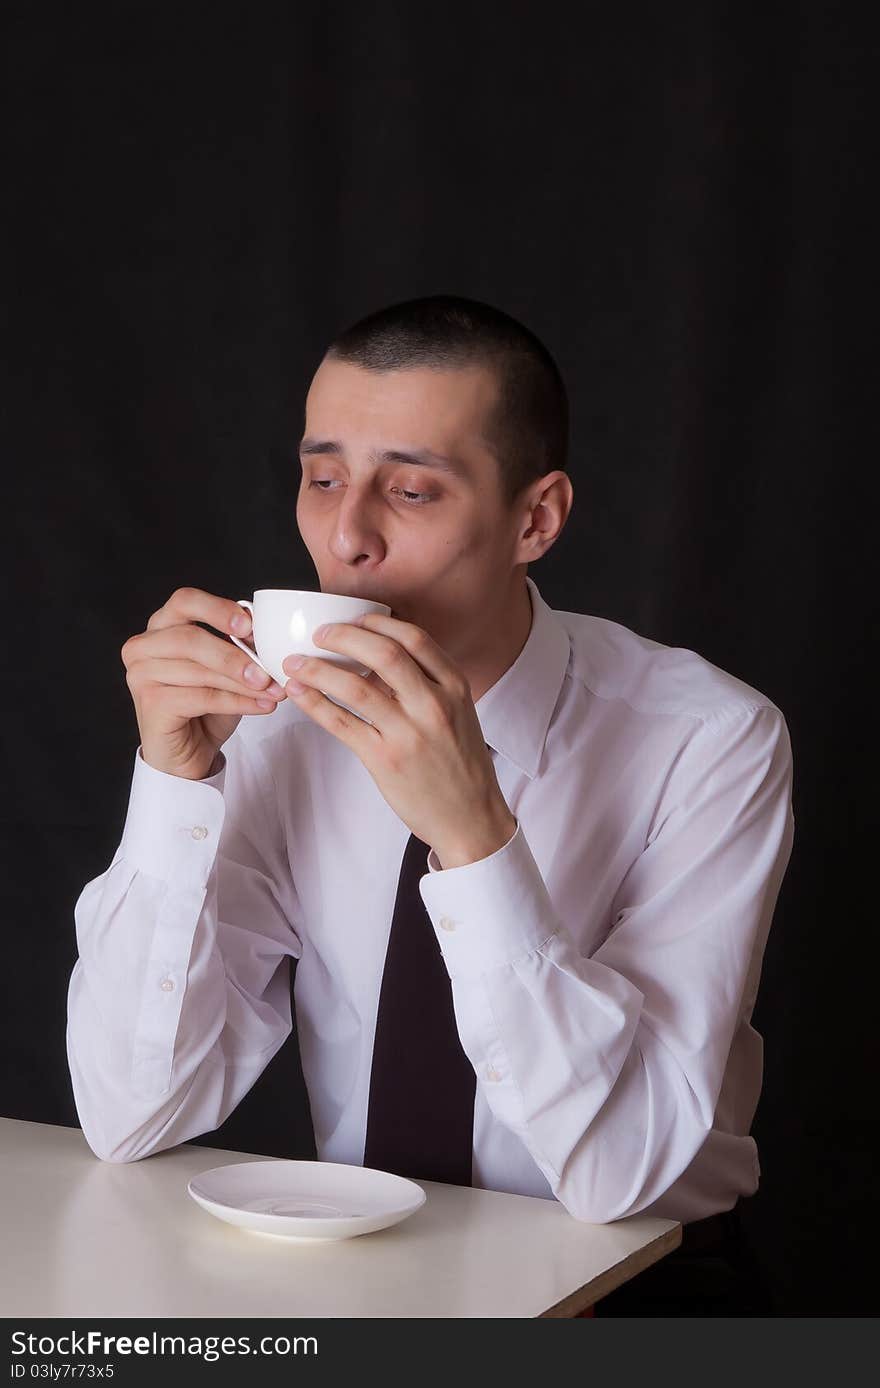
(608, 1281)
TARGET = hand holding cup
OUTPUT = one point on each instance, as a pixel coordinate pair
(189, 686)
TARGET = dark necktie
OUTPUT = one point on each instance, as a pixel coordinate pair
(420, 1117)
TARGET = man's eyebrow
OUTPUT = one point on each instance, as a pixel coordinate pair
(419, 457)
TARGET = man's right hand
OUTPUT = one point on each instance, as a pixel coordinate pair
(188, 686)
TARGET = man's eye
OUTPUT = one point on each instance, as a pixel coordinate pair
(411, 498)
(414, 498)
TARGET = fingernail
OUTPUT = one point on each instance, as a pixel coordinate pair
(241, 624)
(320, 631)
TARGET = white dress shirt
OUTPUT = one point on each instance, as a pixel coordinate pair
(604, 962)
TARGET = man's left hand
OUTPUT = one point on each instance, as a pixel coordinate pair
(425, 749)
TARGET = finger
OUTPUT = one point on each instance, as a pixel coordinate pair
(181, 702)
(188, 642)
(189, 673)
(194, 604)
(403, 667)
(382, 710)
(425, 651)
(359, 736)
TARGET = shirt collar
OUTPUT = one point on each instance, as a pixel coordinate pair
(515, 713)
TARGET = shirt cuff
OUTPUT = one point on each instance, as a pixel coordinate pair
(488, 913)
(172, 826)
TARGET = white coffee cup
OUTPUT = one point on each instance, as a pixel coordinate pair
(283, 622)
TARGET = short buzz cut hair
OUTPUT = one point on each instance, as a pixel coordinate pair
(528, 427)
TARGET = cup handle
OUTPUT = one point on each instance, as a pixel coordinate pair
(249, 607)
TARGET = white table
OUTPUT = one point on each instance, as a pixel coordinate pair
(83, 1237)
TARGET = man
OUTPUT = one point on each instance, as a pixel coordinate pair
(527, 867)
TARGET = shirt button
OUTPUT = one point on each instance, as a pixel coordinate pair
(492, 1073)
(200, 832)
(446, 923)
(166, 985)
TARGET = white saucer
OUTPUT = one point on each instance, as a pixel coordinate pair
(309, 1201)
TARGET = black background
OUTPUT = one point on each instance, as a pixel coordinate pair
(672, 199)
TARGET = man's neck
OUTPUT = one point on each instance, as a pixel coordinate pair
(498, 644)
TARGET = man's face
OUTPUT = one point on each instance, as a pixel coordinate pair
(437, 544)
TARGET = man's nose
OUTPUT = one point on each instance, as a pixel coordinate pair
(356, 527)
